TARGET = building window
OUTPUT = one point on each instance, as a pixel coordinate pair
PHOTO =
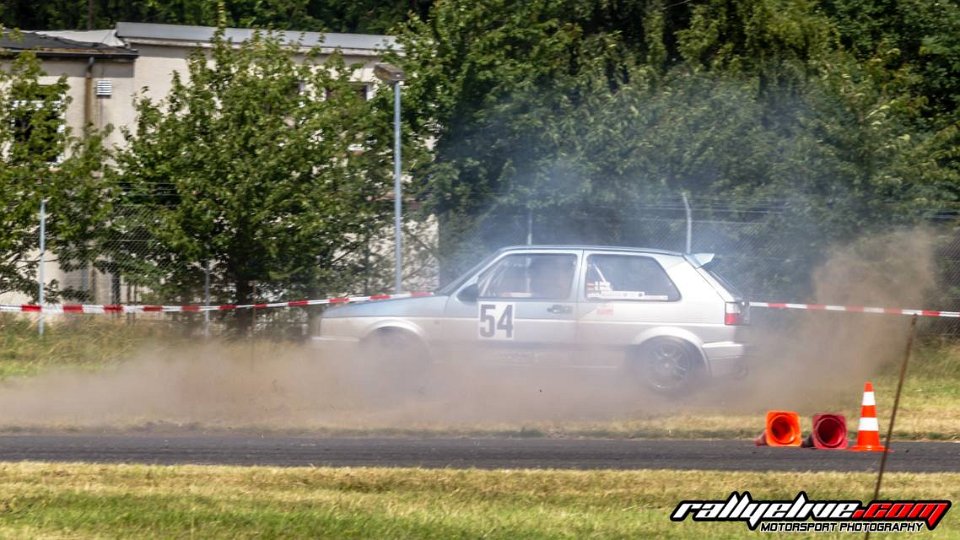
(37, 117)
(362, 90)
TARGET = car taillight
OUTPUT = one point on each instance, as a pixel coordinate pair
(733, 314)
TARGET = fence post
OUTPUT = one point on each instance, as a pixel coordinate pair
(529, 226)
(43, 249)
(206, 299)
(686, 207)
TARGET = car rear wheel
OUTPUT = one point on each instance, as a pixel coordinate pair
(668, 365)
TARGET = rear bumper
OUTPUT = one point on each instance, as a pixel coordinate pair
(725, 358)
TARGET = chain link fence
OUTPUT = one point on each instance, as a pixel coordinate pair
(128, 264)
(770, 250)
(763, 249)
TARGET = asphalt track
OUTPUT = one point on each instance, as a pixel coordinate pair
(482, 453)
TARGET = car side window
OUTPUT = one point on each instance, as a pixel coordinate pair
(536, 276)
(628, 277)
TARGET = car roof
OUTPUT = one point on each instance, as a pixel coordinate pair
(590, 248)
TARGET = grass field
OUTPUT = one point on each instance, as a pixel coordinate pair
(79, 343)
(127, 501)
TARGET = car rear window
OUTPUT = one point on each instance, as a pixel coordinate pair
(628, 277)
(724, 283)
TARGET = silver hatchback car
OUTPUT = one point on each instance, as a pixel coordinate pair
(664, 316)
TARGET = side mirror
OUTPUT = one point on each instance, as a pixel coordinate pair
(469, 294)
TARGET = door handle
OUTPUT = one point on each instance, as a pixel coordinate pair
(557, 308)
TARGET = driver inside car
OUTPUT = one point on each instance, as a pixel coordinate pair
(550, 277)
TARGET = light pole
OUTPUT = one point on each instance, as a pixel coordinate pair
(43, 254)
(394, 75)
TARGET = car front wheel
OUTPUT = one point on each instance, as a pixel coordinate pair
(398, 357)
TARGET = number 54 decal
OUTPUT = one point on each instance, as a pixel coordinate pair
(496, 320)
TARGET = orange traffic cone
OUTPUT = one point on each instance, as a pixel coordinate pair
(783, 429)
(868, 431)
(829, 432)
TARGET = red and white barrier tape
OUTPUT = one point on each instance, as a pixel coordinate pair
(124, 308)
(117, 308)
(859, 309)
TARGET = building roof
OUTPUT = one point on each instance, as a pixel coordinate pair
(118, 43)
(106, 36)
(49, 46)
(160, 34)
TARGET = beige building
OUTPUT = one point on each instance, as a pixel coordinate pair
(159, 50)
(107, 69)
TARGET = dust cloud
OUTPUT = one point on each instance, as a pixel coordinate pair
(289, 387)
(807, 361)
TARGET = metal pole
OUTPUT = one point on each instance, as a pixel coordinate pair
(43, 249)
(529, 226)
(397, 191)
(206, 299)
(893, 415)
(896, 404)
(686, 207)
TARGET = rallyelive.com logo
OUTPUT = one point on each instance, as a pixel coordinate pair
(804, 515)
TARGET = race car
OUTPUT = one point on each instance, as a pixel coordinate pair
(663, 316)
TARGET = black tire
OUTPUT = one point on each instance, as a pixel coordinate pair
(668, 365)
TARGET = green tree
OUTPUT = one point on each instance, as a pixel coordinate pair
(41, 159)
(488, 80)
(269, 166)
(563, 109)
(924, 35)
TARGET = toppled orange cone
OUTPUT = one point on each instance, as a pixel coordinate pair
(868, 431)
(829, 432)
(783, 429)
